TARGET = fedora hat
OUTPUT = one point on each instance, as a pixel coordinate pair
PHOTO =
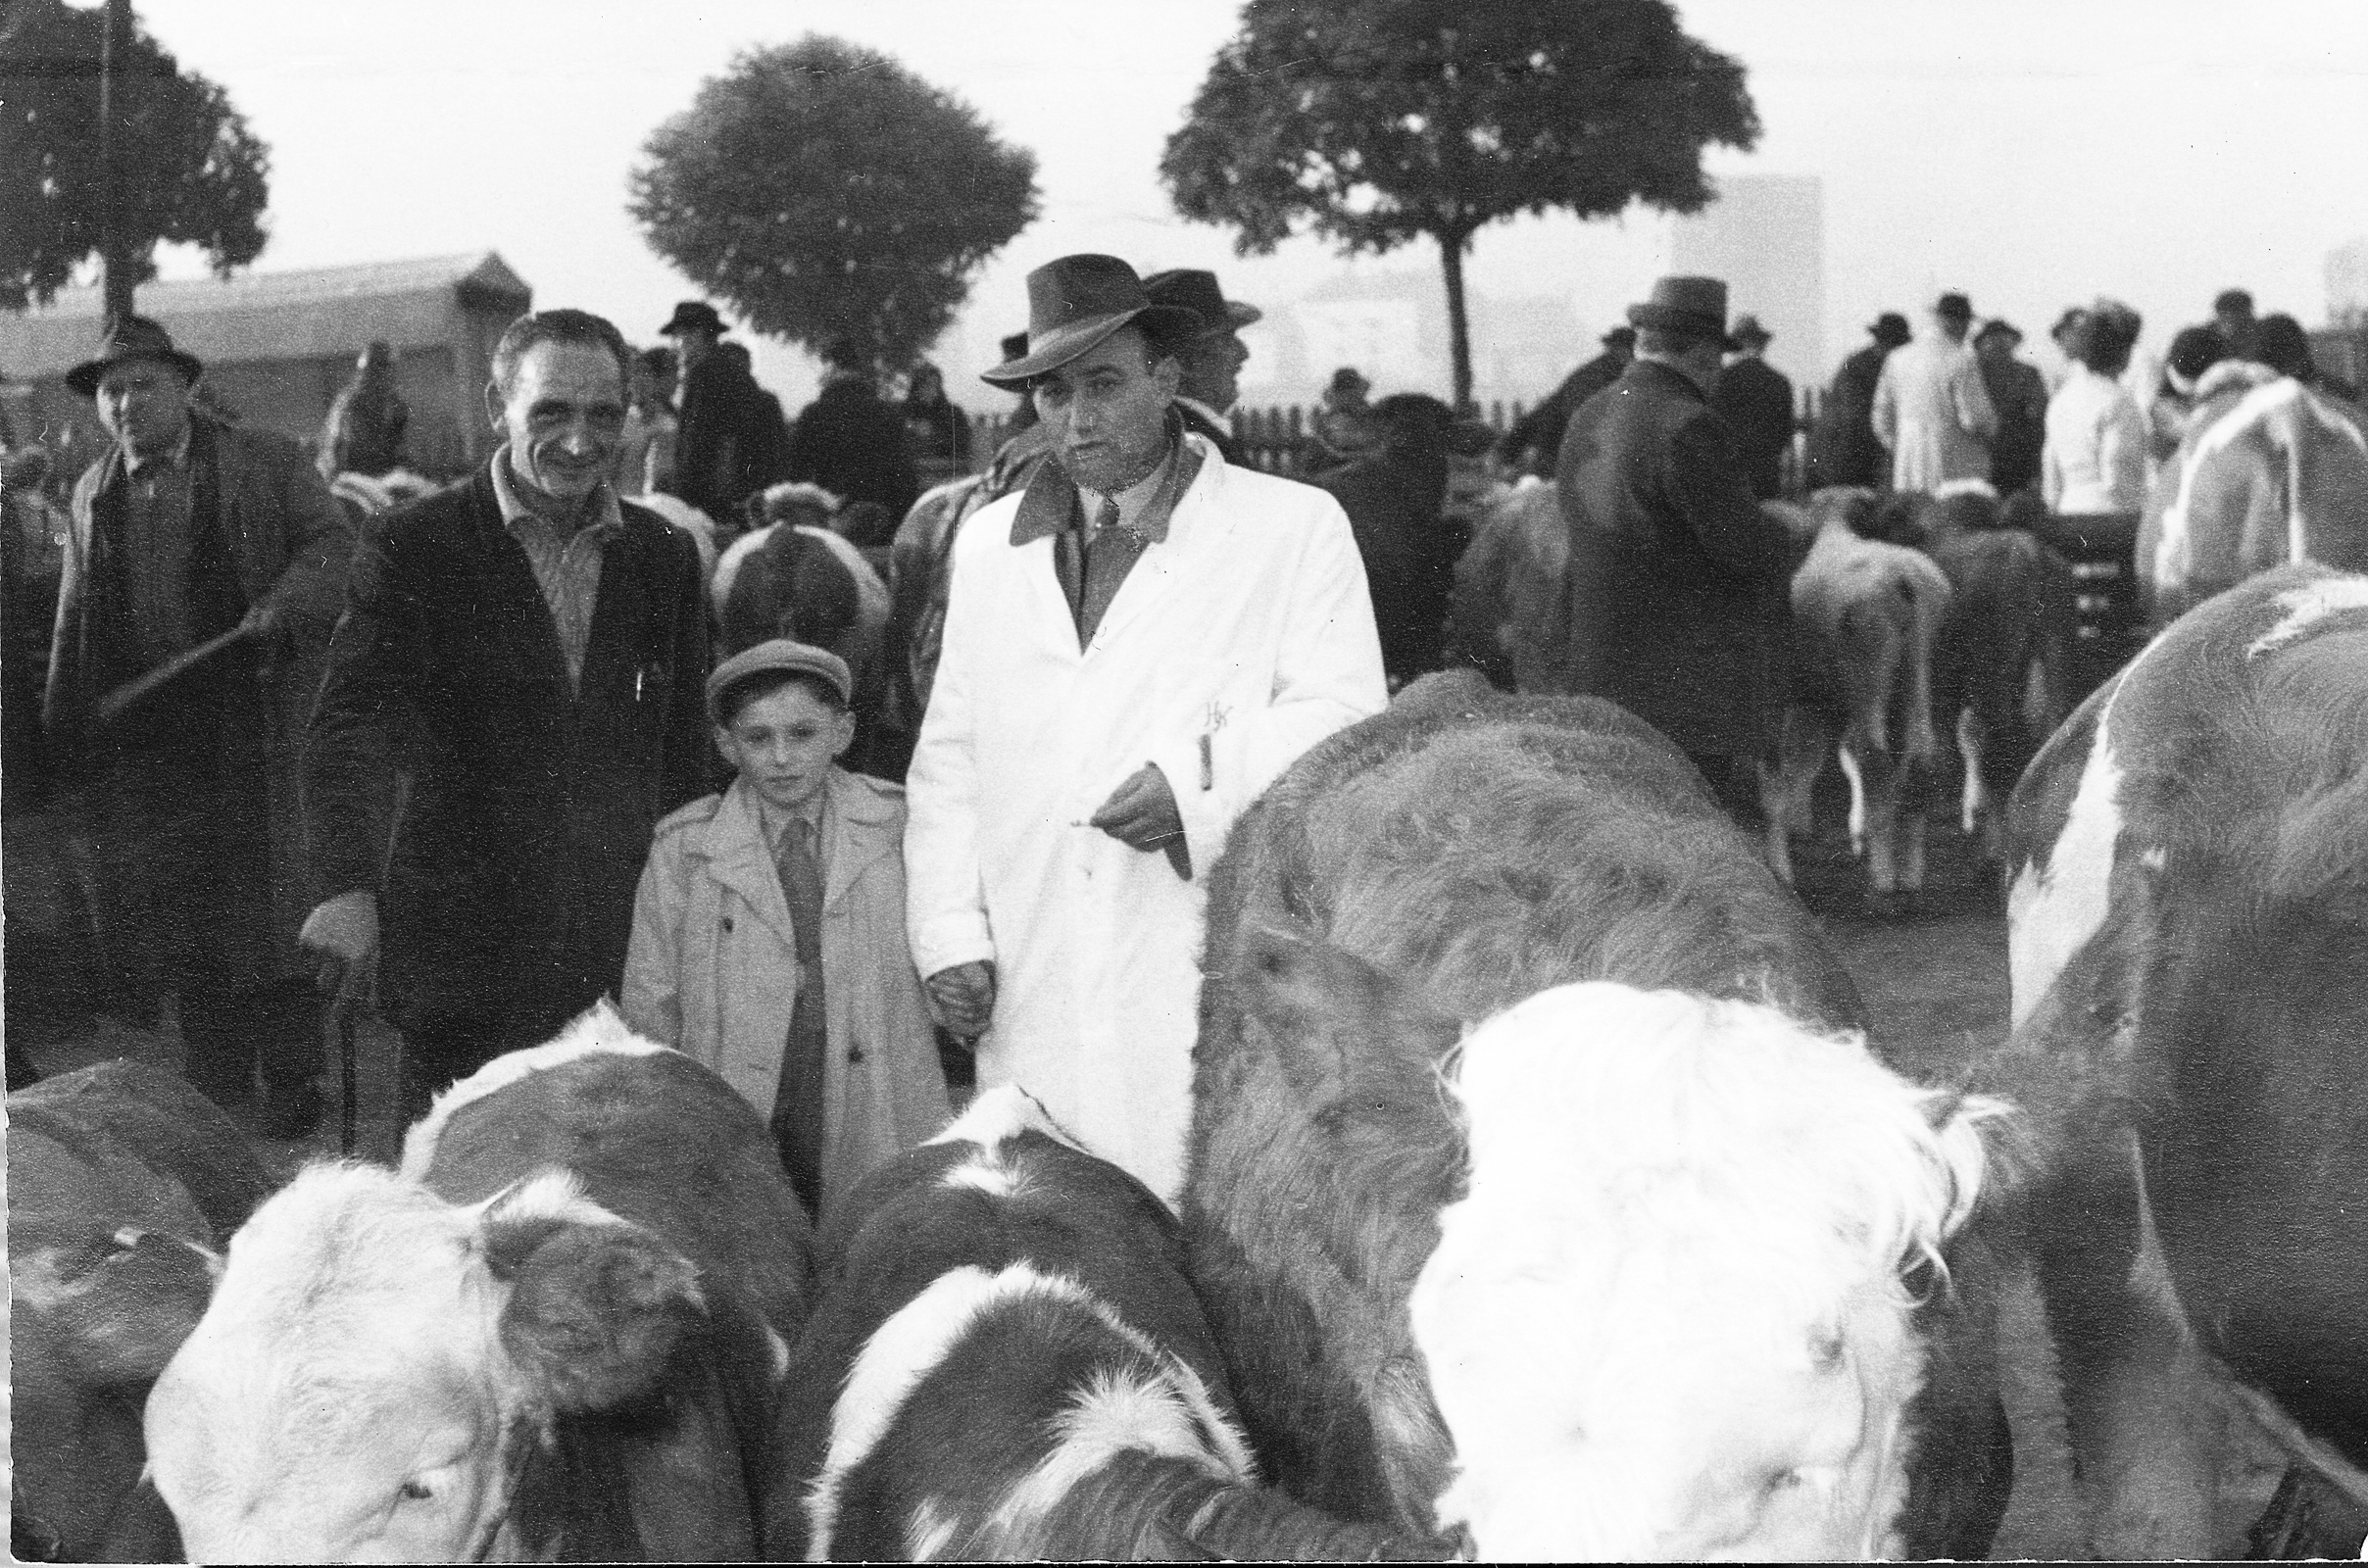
(1747, 331)
(1890, 329)
(1077, 301)
(132, 337)
(1196, 289)
(1697, 304)
(694, 316)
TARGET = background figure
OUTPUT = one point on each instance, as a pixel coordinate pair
(182, 808)
(364, 430)
(2195, 349)
(1756, 400)
(852, 443)
(2233, 318)
(764, 436)
(1843, 447)
(935, 426)
(2093, 464)
(645, 463)
(2285, 348)
(1535, 442)
(1212, 359)
(2019, 393)
(724, 428)
(1931, 408)
(1344, 426)
(1394, 499)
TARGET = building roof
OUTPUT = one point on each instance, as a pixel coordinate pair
(276, 315)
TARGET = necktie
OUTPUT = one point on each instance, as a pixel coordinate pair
(797, 1112)
(1109, 556)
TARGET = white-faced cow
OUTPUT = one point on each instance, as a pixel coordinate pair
(2189, 942)
(1008, 1362)
(1866, 624)
(1664, 1253)
(557, 1331)
(122, 1182)
(2268, 472)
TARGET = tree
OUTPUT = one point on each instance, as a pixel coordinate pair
(1374, 122)
(832, 198)
(190, 171)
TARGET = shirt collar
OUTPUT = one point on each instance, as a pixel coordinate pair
(607, 521)
(177, 458)
(1053, 504)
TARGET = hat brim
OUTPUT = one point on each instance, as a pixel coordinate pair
(1668, 319)
(1754, 339)
(84, 378)
(1238, 314)
(1065, 343)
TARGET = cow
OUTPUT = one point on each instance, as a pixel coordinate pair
(1507, 611)
(2269, 472)
(803, 582)
(123, 1182)
(1866, 624)
(2189, 857)
(555, 1331)
(1008, 1362)
(1709, 1389)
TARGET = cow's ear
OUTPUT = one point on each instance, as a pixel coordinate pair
(137, 1296)
(596, 1308)
(1339, 1025)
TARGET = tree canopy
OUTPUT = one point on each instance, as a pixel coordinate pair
(832, 198)
(1371, 123)
(190, 171)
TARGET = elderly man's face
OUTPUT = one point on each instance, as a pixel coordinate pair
(1107, 411)
(563, 414)
(145, 405)
(1212, 368)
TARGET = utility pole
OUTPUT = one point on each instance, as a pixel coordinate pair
(115, 40)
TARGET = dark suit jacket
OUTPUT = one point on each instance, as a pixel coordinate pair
(855, 446)
(729, 439)
(1678, 580)
(1536, 437)
(1393, 502)
(1844, 448)
(1756, 402)
(509, 891)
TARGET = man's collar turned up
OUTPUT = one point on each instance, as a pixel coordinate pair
(1051, 504)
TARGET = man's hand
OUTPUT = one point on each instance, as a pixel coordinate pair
(343, 933)
(962, 998)
(1141, 813)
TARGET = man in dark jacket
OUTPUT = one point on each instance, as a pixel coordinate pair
(2019, 393)
(1394, 499)
(1756, 400)
(182, 806)
(1844, 448)
(1678, 580)
(532, 653)
(1213, 360)
(852, 443)
(1535, 441)
(723, 431)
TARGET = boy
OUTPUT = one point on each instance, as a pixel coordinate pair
(768, 932)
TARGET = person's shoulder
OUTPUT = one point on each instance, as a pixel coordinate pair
(979, 533)
(683, 820)
(261, 446)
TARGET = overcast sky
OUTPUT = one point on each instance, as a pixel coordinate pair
(2032, 152)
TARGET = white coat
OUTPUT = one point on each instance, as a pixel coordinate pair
(1934, 411)
(1250, 628)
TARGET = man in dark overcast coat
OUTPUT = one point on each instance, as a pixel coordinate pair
(1756, 398)
(1536, 438)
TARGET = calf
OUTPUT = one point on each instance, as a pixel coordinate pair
(2269, 472)
(1867, 620)
(122, 1182)
(2190, 883)
(1668, 1311)
(1507, 612)
(555, 1331)
(1008, 1362)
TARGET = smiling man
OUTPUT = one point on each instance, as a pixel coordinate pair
(1135, 646)
(531, 652)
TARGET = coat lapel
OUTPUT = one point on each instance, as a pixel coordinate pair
(618, 614)
(525, 614)
(863, 827)
(733, 843)
(1192, 531)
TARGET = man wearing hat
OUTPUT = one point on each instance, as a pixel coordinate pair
(1932, 410)
(1843, 447)
(724, 431)
(184, 805)
(1756, 398)
(1535, 442)
(1136, 645)
(2019, 393)
(530, 650)
(1677, 580)
(1212, 359)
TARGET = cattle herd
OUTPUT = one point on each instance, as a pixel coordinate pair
(1546, 1196)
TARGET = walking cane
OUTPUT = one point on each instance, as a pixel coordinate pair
(342, 1010)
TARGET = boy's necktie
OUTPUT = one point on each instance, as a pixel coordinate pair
(798, 1109)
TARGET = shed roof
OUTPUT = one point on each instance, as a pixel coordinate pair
(276, 315)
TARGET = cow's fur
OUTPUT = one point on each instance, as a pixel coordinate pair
(1507, 615)
(1866, 624)
(557, 1333)
(122, 1181)
(1009, 1362)
(808, 584)
(2190, 864)
(1422, 871)
(2269, 472)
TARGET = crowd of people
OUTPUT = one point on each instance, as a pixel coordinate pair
(509, 748)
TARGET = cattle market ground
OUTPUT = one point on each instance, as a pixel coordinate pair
(1933, 985)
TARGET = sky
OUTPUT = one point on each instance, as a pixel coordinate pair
(2031, 152)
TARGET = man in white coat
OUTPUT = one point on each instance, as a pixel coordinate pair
(1135, 646)
(1932, 409)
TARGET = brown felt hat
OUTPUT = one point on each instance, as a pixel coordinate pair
(1696, 305)
(132, 337)
(1079, 301)
(1196, 289)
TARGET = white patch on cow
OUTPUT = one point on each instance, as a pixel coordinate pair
(928, 1532)
(987, 1173)
(1964, 487)
(728, 564)
(2174, 547)
(1119, 1412)
(1683, 1239)
(35, 1280)
(997, 1115)
(554, 1194)
(776, 1353)
(916, 1341)
(2308, 606)
(600, 1031)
